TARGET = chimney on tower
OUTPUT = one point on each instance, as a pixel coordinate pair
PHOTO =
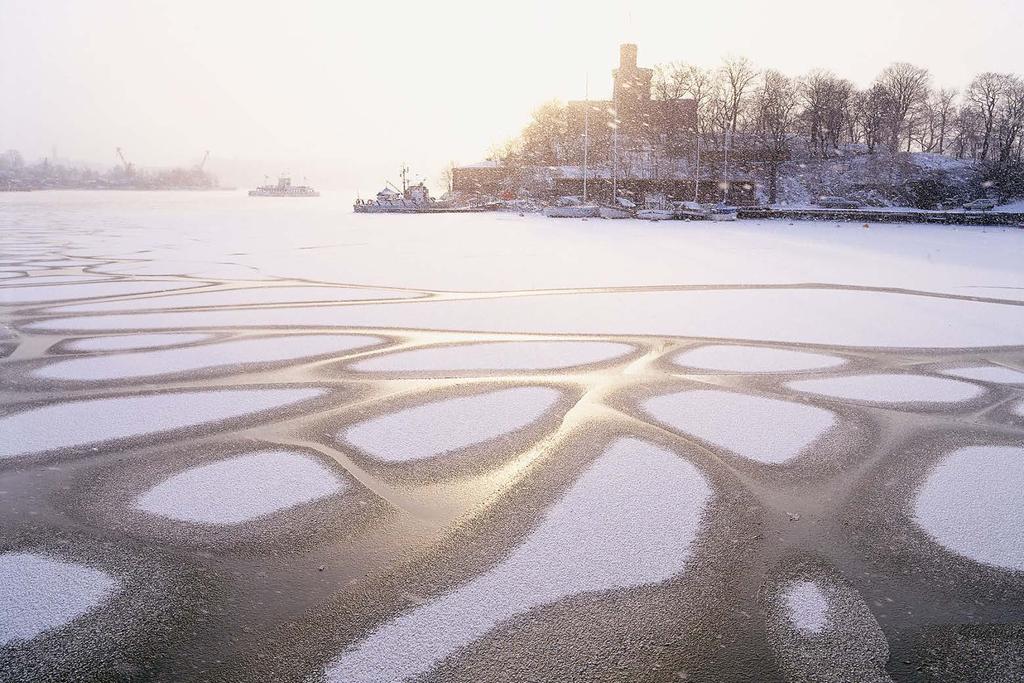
(627, 56)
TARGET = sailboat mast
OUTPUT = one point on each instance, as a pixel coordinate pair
(586, 134)
(725, 180)
(696, 175)
(615, 156)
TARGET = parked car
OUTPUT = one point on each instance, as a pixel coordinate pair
(837, 203)
(981, 205)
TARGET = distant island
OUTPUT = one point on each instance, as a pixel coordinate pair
(736, 133)
(51, 174)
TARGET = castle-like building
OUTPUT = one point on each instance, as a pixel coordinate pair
(636, 146)
(637, 117)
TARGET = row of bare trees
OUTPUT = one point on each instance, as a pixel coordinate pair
(769, 118)
(900, 111)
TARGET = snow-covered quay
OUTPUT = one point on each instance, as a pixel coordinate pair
(279, 441)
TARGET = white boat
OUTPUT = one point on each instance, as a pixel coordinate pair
(690, 210)
(656, 214)
(581, 211)
(612, 212)
(723, 212)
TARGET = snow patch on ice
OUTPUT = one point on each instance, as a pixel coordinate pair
(890, 388)
(989, 373)
(764, 429)
(40, 593)
(444, 426)
(971, 505)
(75, 423)
(807, 607)
(531, 355)
(168, 361)
(600, 536)
(129, 342)
(241, 488)
(730, 358)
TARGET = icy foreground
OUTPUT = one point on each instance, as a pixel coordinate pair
(600, 536)
(39, 593)
(278, 441)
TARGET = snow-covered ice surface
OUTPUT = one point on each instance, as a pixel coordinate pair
(129, 342)
(241, 488)
(512, 479)
(899, 388)
(238, 297)
(168, 361)
(440, 427)
(77, 423)
(783, 315)
(764, 429)
(734, 358)
(971, 504)
(34, 295)
(525, 355)
(39, 593)
(601, 536)
(808, 606)
(989, 373)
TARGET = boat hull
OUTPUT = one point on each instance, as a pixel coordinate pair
(398, 208)
(258, 193)
(722, 216)
(656, 214)
(610, 212)
(572, 211)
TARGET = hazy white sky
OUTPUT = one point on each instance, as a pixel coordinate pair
(365, 85)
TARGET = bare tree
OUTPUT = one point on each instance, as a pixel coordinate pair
(984, 93)
(670, 81)
(1011, 117)
(775, 106)
(699, 87)
(448, 176)
(545, 137)
(873, 107)
(908, 86)
(943, 105)
(826, 103)
(738, 76)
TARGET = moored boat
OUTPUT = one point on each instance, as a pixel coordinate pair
(656, 214)
(723, 212)
(581, 211)
(613, 212)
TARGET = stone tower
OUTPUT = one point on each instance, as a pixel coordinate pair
(631, 88)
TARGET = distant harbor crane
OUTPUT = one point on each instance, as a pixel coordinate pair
(128, 168)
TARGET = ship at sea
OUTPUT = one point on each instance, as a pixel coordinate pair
(284, 188)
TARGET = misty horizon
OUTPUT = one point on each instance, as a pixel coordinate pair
(341, 96)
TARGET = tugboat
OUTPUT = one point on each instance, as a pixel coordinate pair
(284, 188)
